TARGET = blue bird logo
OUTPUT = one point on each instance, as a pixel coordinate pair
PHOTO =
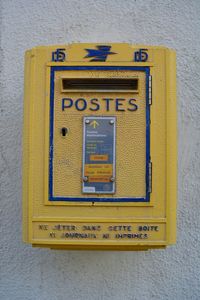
(100, 54)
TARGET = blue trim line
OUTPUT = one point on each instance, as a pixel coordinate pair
(51, 136)
(99, 199)
(148, 158)
(93, 199)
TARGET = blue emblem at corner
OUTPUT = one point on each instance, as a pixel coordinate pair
(100, 54)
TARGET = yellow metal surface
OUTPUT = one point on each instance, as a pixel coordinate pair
(67, 162)
(126, 225)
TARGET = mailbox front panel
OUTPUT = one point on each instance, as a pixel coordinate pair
(132, 150)
(99, 147)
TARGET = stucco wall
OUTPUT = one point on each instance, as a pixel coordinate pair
(27, 273)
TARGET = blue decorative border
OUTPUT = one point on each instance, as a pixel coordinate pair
(98, 199)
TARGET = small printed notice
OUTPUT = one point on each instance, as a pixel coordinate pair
(116, 232)
(99, 155)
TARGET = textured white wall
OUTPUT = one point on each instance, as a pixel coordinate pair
(28, 273)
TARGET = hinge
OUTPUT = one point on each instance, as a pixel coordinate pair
(150, 177)
(150, 89)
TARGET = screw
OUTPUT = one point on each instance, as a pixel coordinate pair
(85, 178)
(87, 121)
(112, 179)
(111, 122)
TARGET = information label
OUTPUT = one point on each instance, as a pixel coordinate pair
(118, 232)
(99, 155)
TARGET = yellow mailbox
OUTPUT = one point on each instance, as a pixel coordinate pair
(99, 148)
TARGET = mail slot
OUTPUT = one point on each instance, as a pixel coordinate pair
(99, 147)
(99, 84)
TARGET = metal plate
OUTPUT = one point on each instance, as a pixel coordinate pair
(99, 155)
(132, 135)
